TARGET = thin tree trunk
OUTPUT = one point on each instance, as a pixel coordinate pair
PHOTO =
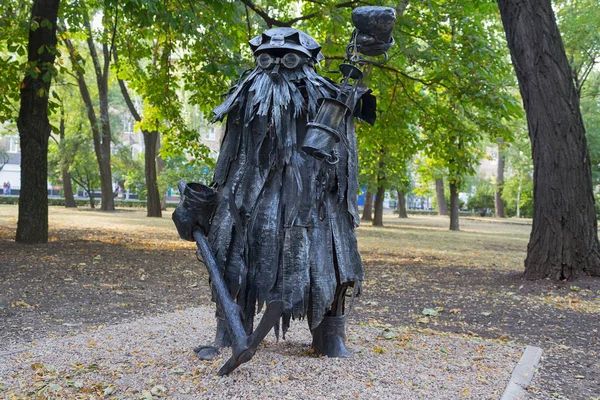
(153, 205)
(98, 136)
(106, 185)
(454, 210)
(68, 190)
(402, 205)
(498, 202)
(519, 195)
(64, 166)
(441, 198)
(91, 195)
(160, 166)
(378, 217)
(563, 242)
(368, 209)
(34, 127)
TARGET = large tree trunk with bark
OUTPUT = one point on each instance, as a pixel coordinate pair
(498, 202)
(34, 127)
(367, 214)
(379, 197)
(402, 205)
(563, 242)
(440, 196)
(454, 209)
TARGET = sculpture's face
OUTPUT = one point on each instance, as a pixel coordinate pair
(275, 59)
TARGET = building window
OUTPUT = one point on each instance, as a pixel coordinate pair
(210, 133)
(13, 144)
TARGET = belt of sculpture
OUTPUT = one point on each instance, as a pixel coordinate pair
(276, 229)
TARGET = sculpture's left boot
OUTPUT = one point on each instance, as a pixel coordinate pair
(330, 336)
(208, 352)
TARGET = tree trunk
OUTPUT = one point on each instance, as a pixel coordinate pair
(153, 205)
(454, 207)
(91, 196)
(64, 166)
(498, 202)
(563, 242)
(378, 218)
(441, 198)
(402, 205)
(108, 197)
(368, 209)
(519, 195)
(100, 137)
(34, 127)
(160, 166)
(68, 190)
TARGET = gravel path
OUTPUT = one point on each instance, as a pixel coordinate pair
(151, 358)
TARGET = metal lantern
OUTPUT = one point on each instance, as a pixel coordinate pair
(372, 37)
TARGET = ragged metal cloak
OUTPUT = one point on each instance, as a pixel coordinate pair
(284, 224)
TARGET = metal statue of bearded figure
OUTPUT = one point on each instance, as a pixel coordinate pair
(280, 222)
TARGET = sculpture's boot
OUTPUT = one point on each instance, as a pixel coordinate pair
(329, 337)
(222, 339)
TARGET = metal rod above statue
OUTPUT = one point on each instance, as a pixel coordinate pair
(277, 227)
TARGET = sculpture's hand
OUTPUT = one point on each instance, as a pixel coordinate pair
(194, 210)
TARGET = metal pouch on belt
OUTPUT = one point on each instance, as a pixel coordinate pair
(195, 210)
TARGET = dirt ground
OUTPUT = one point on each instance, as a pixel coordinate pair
(105, 268)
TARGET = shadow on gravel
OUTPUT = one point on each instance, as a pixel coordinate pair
(70, 285)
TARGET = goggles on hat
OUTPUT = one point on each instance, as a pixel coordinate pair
(289, 60)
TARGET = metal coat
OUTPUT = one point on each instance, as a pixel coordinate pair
(284, 224)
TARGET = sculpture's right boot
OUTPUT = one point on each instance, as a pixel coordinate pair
(329, 337)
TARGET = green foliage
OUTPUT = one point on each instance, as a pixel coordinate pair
(167, 56)
(518, 185)
(178, 168)
(134, 177)
(84, 170)
(590, 110)
(518, 189)
(448, 82)
(579, 23)
(15, 23)
(483, 197)
(128, 171)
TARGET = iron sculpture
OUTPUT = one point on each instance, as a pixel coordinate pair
(277, 227)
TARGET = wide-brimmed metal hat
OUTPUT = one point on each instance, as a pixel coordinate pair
(286, 39)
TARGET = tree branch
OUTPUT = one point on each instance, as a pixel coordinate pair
(92, 47)
(85, 94)
(125, 92)
(277, 22)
